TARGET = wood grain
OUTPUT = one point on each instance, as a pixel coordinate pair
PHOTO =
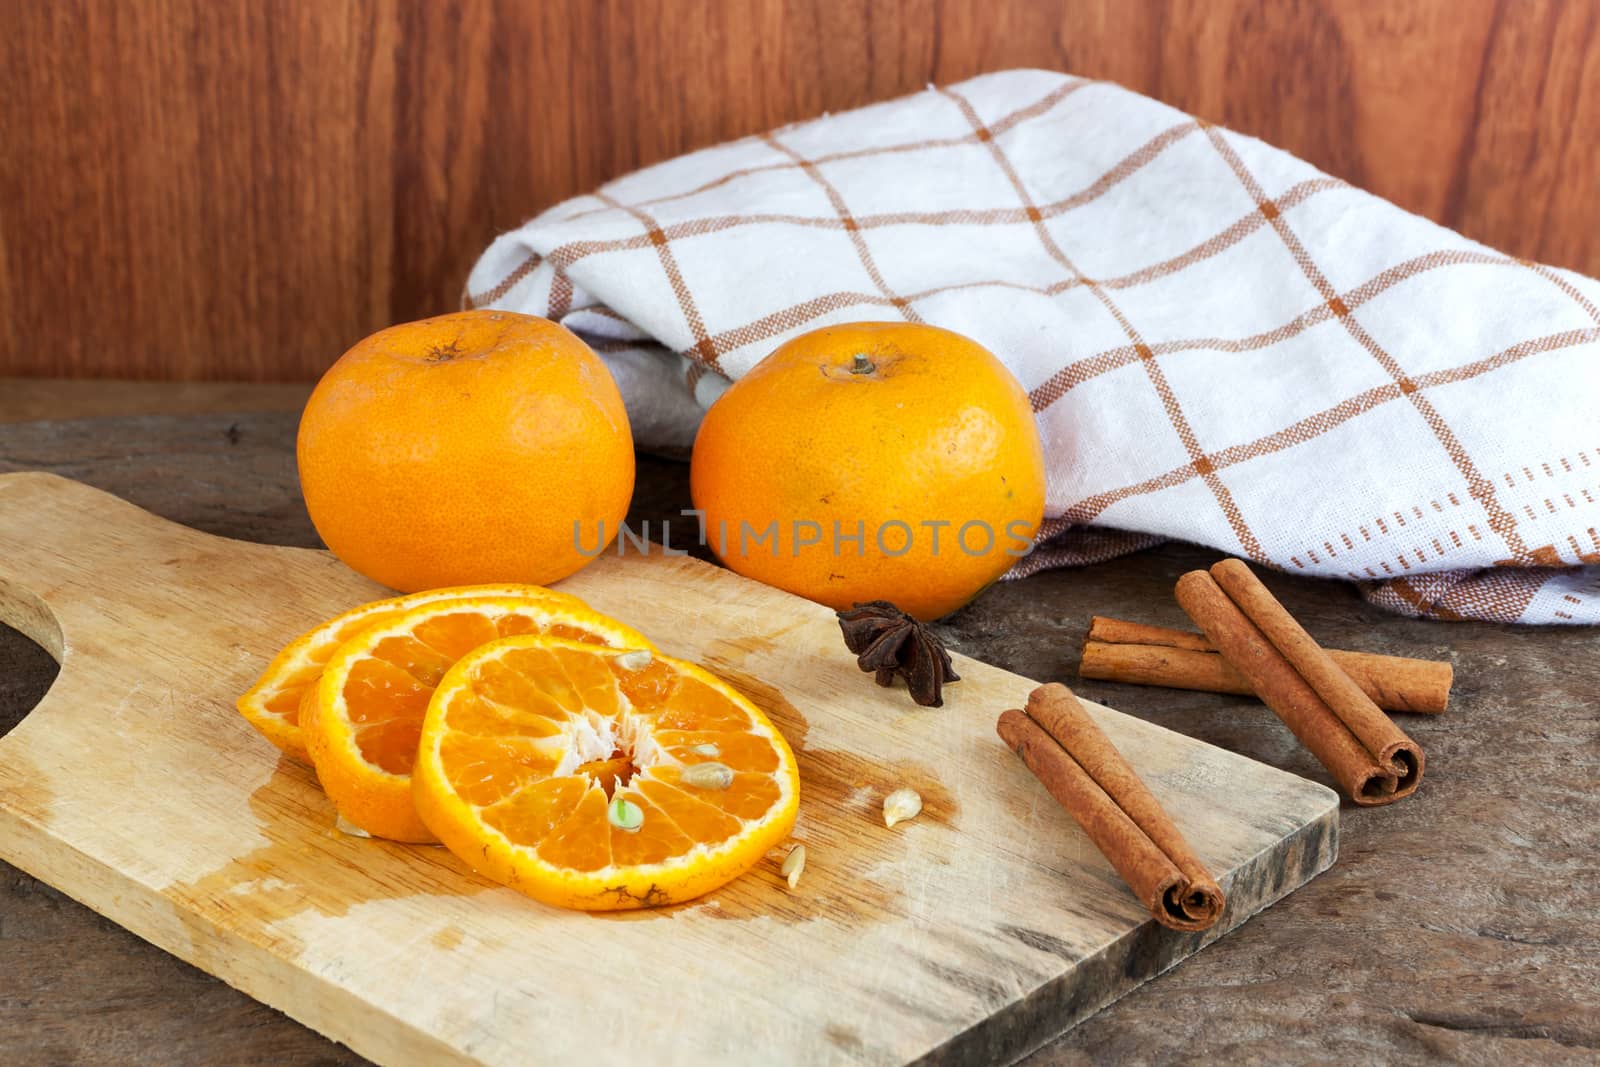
(976, 931)
(230, 189)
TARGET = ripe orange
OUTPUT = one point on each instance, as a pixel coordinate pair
(873, 461)
(362, 726)
(272, 705)
(463, 449)
(599, 779)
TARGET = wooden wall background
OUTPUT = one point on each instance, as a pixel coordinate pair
(242, 188)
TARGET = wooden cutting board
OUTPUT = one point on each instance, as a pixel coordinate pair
(978, 930)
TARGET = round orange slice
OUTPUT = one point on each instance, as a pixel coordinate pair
(363, 725)
(598, 779)
(272, 705)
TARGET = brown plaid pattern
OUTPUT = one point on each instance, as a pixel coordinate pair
(1221, 344)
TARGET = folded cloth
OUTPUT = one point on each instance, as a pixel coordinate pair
(1222, 344)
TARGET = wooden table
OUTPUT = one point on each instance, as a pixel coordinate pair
(1460, 924)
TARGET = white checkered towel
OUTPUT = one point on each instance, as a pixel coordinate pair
(1222, 344)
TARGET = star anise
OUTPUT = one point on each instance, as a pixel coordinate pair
(888, 642)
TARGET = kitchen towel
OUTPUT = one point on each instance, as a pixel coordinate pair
(1222, 344)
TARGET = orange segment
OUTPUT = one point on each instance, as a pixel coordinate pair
(537, 809)
(740, 751)
(363, 727)
(659, 783)
(272, 705)
(747, 797)
(581, 841)
(657, 839)
(696, 818)
(692, 705)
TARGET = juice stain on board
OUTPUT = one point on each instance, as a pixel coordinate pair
(308, 865)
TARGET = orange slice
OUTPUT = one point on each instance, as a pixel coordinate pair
(272, 705)
(363, 725)
(600, 780)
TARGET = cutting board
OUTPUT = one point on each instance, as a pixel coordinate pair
(976, 931)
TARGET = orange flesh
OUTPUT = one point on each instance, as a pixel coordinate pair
(285, 701)
(290, 689)
(387, 693)
(501, 752)
(302, 684)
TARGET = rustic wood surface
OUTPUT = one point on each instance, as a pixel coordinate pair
(29, 399)
(234, 189)
(1458, 925)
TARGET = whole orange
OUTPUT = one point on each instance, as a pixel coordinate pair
(477, 447)
(872, 461)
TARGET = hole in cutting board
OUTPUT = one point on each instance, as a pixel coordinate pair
(30, 650)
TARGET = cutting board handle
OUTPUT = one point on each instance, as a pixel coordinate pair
(33, 545)
(74, 559)
(80, 565)
(42, 518)
(53, 529)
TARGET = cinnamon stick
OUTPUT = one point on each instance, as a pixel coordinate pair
(1371, 758)
(1116, 650)
(1123, 632)
(1083, 770)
